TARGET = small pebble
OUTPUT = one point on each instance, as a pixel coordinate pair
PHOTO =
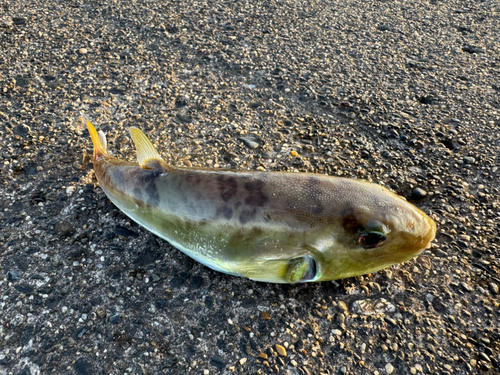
(389, 368)
(115, 319)
(82, 51)
(418, 194)
(250, 143)
(281, 350)
(263, 355)
(493, 288)
(101, 312)
(12, 275)
(373, 306)
(469, 160)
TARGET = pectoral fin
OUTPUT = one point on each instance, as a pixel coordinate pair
(299, 269)
(302, 269)
(146, 152)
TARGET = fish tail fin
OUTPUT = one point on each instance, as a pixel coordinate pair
(98, 138)
(146, 152)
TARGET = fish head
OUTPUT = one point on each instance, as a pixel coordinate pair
(374, 229)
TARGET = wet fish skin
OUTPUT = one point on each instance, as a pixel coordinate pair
(267, 226)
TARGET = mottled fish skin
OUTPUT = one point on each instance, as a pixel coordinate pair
(267, 226)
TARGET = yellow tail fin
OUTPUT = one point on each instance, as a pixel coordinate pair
(98, 138)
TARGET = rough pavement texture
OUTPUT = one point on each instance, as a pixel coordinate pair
(402, 93)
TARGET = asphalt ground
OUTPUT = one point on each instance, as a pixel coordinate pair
(405, 94)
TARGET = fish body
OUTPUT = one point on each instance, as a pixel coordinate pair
(267, 226)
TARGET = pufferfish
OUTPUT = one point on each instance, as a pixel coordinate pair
(275, 227)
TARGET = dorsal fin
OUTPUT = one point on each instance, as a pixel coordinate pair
(145, 149)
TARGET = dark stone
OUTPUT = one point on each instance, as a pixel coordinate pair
(21, 130)
(161, 304)
(19, 21)
(469, 160)
(52, 302)
(392, 133)
(80, 332)
(24, 288)
(122, 231)
(117, 91)
(209, 302)
(147, 256)
(45, 289)
(299, 344)
(181, 101)
(83, 367)
(64, 228)
(177, 281)
(172, 29)
(248, 303)
(115, 319)
(472, 49)
(418, 194)
(426, 100)
(218, 362)
(197, 282)
(24, 371)
(12, 275)
(4, 361)
(385, 27)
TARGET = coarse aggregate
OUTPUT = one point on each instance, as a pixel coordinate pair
(406, 94)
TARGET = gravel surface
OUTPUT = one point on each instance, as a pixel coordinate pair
(406, 94)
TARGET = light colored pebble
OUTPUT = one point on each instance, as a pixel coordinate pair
(389, 368)
(281, 350)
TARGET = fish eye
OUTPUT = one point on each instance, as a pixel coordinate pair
(370, 240)
(302, 269)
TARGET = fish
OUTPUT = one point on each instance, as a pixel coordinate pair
(276, 227)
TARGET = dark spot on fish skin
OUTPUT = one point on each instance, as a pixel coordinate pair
(256, 232)
(137, 192)
(118, 176)
(194, 178)
(227, 186)
(315, 192)
(351, 220)
(225, 211)
(146, 176)
(145, 179)
(237, 205)
(241, 238)
(152, 192)
(256, 196)
(247, 216)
